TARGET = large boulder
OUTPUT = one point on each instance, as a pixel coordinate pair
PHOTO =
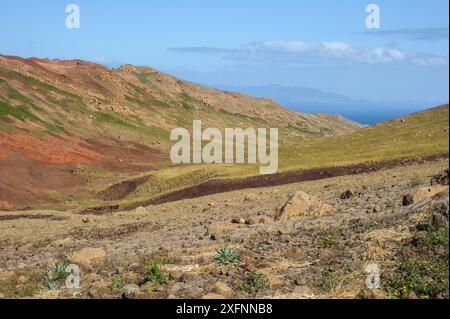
(222, 289)
(419, 194)
(302, 205)
(88, 257)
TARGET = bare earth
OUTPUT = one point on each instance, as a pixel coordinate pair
(320, 255)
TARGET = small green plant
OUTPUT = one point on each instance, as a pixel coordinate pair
(438, 236)
(117, 282)
(427, 278)
(327, 242)
(426, 273)
(254, 283)
(390, 204)
(416, 182)
(152, 273)
(329, 280)
(55, 275)
(226, 256)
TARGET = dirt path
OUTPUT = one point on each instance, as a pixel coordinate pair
(217, 186)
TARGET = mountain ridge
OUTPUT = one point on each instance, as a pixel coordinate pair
(84, 123)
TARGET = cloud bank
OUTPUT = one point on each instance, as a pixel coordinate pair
(302, 53)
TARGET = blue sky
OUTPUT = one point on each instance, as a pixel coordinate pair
(322, 44)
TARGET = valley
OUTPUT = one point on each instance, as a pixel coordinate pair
(86, 179)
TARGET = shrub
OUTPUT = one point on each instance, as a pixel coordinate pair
(426, 273)
(117, 282)
(152, 273)
(327, 242)
(254, 283)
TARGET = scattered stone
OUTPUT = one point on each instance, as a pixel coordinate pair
(250, 221)
(347, 194)
(176, 288)
(176, 275)
(222, 289)
(302, 291)
(239, 221)
(141, 210)
(302, 205)
(88, 219)
(21, 280)
(441, 179)
(217, 230)
(299, 281)
(407, 200)
(130, 291)
(93, 293)
(293, 253)
(441, 208)
(438, 220)
(412, 295)
(367, 293)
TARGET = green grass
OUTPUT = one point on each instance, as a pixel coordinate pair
(254, 283)
(252, 120)
(117, 282)
(112, 119)
(143, 77)
(152, 273)
(19, 112)
(329, 279)
(327, 242)
(11, 288)
(391, 205)
(421, 134)
(43, 85)
(416, 182)
(14, 94)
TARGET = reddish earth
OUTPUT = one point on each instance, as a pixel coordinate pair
(124, 156)
(31, 166)
(24, 180)
(52, 149)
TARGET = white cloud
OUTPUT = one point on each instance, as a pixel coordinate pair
(296, 52)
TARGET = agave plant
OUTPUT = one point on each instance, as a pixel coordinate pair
(55, 275)
(226, 256)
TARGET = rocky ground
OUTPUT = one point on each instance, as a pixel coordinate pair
(306, 240)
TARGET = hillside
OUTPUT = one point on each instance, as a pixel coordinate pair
(419, 137)
(65, 125)
(419, 134)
